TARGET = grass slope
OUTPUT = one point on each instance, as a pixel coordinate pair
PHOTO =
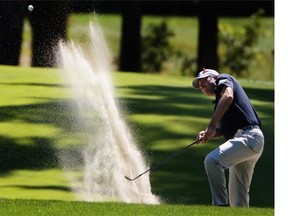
(34, 207)
(164, 112)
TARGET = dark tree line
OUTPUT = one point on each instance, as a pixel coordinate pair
(207, 36)
(11, 27)
(130, 49)
(49, 25)
(48, 22)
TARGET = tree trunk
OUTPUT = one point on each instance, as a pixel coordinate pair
(49, 26)
(130, 50)
(208, 36)
(11, 27)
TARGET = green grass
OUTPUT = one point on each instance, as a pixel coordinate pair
(169, 114)
(165, 114)
(33, 207)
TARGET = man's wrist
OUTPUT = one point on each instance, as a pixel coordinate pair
(211, 127)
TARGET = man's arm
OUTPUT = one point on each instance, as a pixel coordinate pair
(225, 101)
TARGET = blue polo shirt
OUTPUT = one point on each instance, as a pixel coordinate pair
(241, 112)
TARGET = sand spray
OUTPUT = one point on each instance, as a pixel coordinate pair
(108, 151)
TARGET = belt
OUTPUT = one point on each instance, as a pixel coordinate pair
(250, 127)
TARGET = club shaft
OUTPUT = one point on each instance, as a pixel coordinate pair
(163, 161)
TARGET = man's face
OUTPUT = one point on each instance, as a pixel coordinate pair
(207, 85)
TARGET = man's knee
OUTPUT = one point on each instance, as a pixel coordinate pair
(212, 162)
(209, 161)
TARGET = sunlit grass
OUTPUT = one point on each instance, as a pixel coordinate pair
(33, 207)
(164, 114)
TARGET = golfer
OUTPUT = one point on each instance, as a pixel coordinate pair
(234, 118)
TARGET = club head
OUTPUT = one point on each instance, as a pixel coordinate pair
(129, 179)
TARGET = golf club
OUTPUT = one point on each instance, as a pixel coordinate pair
(162, 161)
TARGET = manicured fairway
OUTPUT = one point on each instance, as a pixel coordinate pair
(165, 114)
(34, 207)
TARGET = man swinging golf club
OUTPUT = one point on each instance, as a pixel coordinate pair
(236, 119)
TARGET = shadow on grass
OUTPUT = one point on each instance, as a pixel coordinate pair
(56, 113)
(32, 84)
(42, 187)
(182, 180)
(168, 101)
(40, 154)
(266, 95)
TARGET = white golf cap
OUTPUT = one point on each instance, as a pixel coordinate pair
(202, 74)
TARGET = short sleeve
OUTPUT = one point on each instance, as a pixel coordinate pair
(224, 82)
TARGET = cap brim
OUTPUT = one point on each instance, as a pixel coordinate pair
(195, 81)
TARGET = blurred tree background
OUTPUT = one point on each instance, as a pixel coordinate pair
(169, 37)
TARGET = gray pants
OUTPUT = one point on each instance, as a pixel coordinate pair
(240, 155)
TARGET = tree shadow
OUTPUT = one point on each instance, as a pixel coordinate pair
(53, 85)
(266, 95)
(56, 112)
(42, 187)
(181, 181)
(164, 100)
(40, 154)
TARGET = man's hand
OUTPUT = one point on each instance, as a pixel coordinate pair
(202, 137)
